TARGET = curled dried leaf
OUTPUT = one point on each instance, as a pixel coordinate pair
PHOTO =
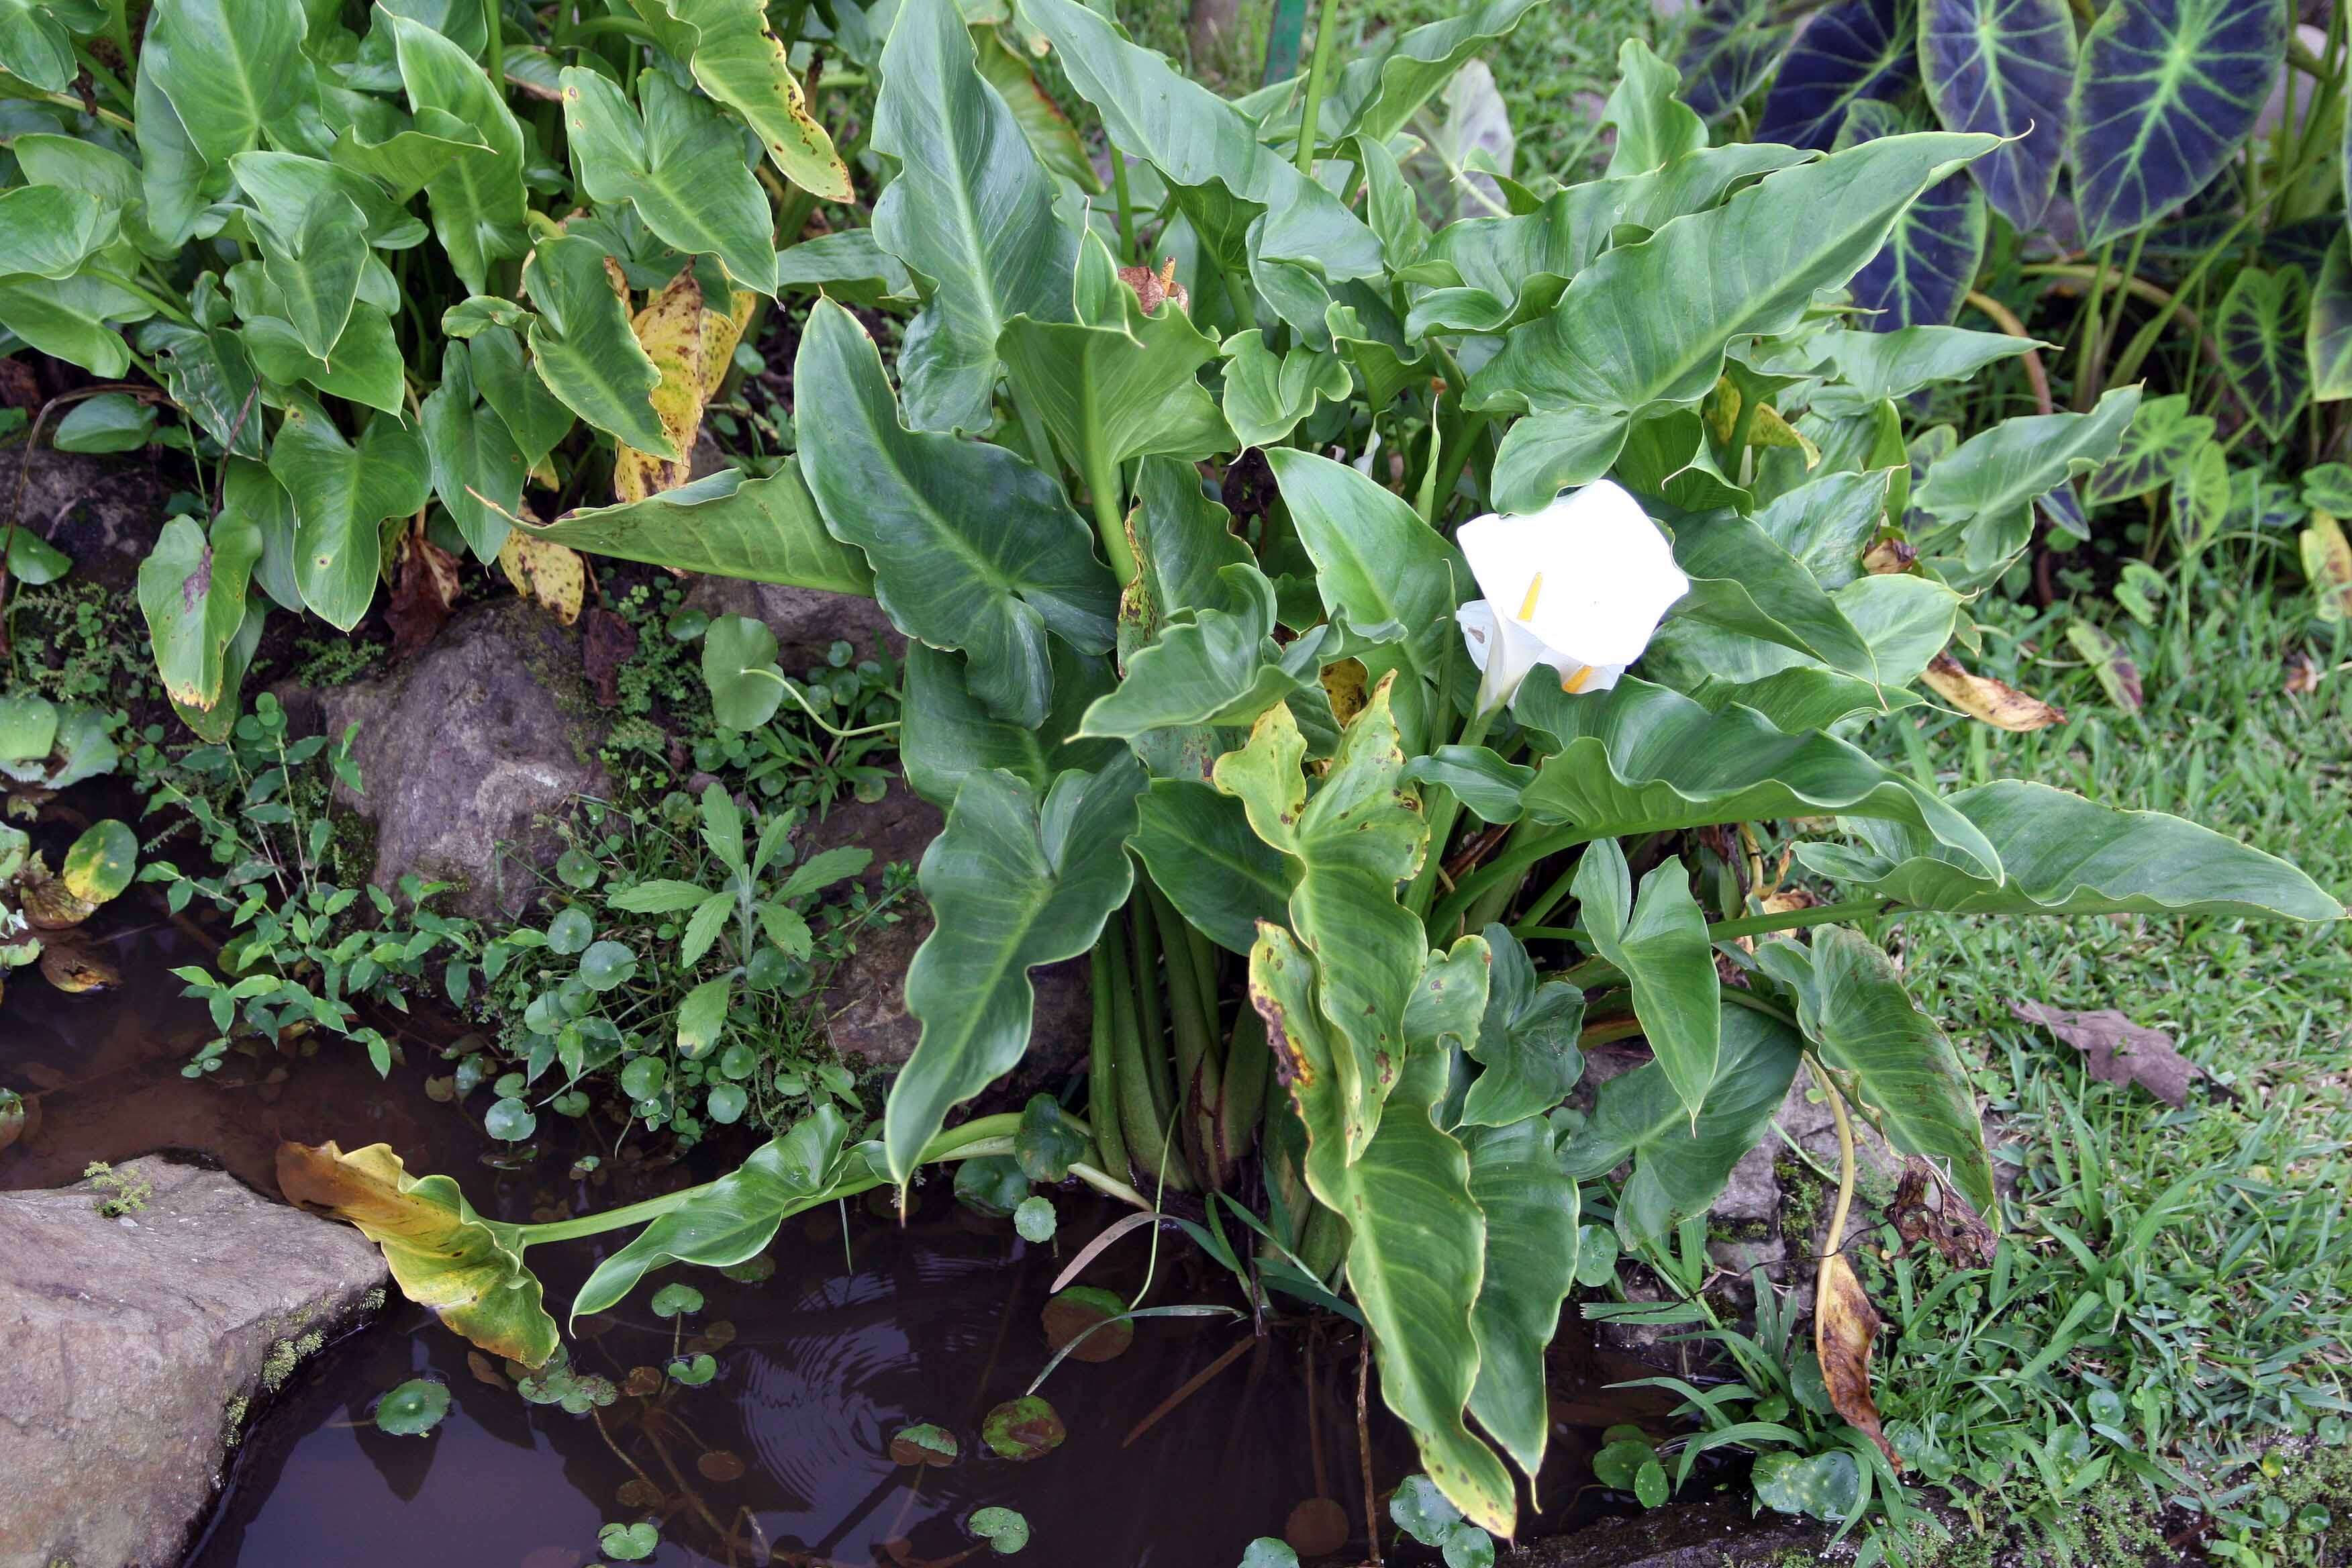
(1844, 1325)
(1888, 557)
(2117, 1050)
(1981, 697)
(1152, 288)
(1926, 1209)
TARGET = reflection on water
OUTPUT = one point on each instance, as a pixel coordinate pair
(783, 1457)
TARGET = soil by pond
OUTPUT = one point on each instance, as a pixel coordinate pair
(865, 1326)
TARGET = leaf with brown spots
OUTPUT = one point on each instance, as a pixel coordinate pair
(1844, 1325)
(671, 329)
(553, 575)
(2327, 566)
(2117, 1050)
(1981, 697)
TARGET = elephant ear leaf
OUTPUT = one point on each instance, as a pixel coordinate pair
(739, 61)
(2164, 91)
(1530, 1208)
(192, 592)
(586, 349)
(1416, 1238)
(1727, 56)
(2256, 327)
(341, 492)
(2006, 67)
(1929, 261)
(1658, 941)
(1014, 881)
(2063, 855)
(444, 1256)
(1852, 52)
(1851, 1004)
(2327, 339)
(972, 549)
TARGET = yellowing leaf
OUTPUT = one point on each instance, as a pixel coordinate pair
(2327, 562)
(721, 331)
(670, 329)
(468, 1269)
(552, 573)
(1981, 697)
(1844, 1323)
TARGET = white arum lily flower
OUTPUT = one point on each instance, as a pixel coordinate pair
(1580, 585)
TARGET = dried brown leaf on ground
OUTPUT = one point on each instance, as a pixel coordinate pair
(2117, 1050)
(2302, 675)
(1981, 697)
(1926, 1209)
(1844, 1325)
(423, 595)
(610, 643)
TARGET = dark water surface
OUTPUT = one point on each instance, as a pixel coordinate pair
(783, 1458)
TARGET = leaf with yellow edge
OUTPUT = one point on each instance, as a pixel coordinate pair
(672, 329)
(552, 573)
(468, 1269)
(2327, 562)
(1981, 697)
(1844, 1325)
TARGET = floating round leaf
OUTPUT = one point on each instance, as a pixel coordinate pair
(642, 1383)
(73, 964)
(644, 1077)
(725, 1104)
(1265, 1552)
(510, 1121)
(924, 1445)
(1024, 1428)
(1077, 1312)
(694, 1371)
(719, 1465)
(1046, 1141)
(628, 1542)
(1034, 1219)
(413, 1409)
(1317, 1527)
(1825, 1486)
(1004, 1531)
(676, 1300)
(993, 1185)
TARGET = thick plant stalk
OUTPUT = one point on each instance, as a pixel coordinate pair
(1146, 1143)
(1199, 1074)
(1102, 1063)
(1318, 75)
(1151, 1021)
(1248, 1065)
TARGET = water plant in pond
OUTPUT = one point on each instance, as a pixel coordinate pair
(1354, 910)
(1024, 1429)
(39, 908)
(629, 1543)
(413, 1409)
(1005, 1531)
(924, 1445)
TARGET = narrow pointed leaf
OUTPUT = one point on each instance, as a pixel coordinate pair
(1658, 941)
(476, 202)
(1531, 1210)
(767, 530)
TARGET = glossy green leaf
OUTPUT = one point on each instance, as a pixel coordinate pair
(1981, 496)
(1744, 580)
(736, 1216)
(972, 549)
(681, 167)
(2255, 329)
(341, 492)
(2065, 855)
(283, 186)
(1225, 179)
(1183, 539)
(2164, 92)
(1015, 882)
(1416, 1240)
(1659, 943)
(1530, 1208)
(766, 530)
(1679, 1167)
(971, 209)
(191, 593)
(230, 68)
(1114, 384)
(476, 202)
(1750, 266)
(584, 350)
(1223, 879)
(1215, 665)
(1485, 784)
(1851, 1004)
(477, 469)
(1376, 563)
(1051, 135)
(35, 46)
(1876, 364)
(72, 319)
(849, 264)
(2005, 67)
(316, 268)
(1348, 846)
(947, 732)
(533, 416)
(1266, 393)
(111, 421)
(1653, 126)
(742, 64)
(366, 367)
(1378, 88)
(1827, 523)
(1641, 759)
(47, 231)
(1527, 1042)
(421, 155)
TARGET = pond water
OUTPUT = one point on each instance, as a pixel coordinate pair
(865, 1326)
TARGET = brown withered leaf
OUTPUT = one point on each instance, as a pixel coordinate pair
(1844, 1325)
(485, 1369)
(1981, 697)
(610, 643)
(1889, 556)
(638, 1492)
(2302, 675)
(422, 595)
(643, 1381)
(1152, 288)
(1788, 900)
(719, 1465)
(1924, 1209)
(71, 962)
(2117, 1050)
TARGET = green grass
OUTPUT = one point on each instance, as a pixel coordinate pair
(2178, 1283)
(1554, 71)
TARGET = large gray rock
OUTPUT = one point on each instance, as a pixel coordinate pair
(866, 1004)
(461, 747)
(134, 1344)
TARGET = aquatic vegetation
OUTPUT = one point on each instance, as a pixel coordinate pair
(413, 1409)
